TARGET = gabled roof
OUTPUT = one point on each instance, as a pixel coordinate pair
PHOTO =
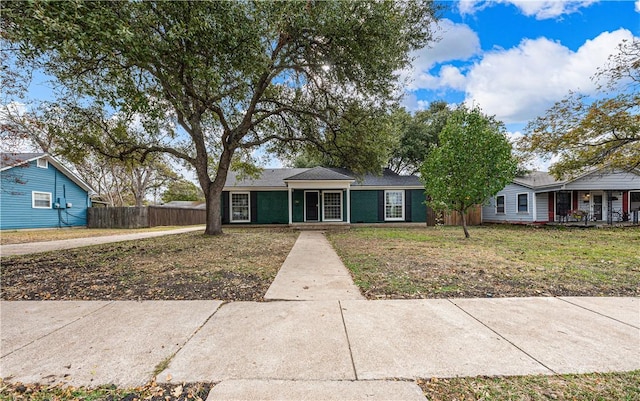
(11, 160)
(537, 179)
(278, 178)
(320, 174)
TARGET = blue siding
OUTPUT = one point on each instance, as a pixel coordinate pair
(16, 209)
(511, 214)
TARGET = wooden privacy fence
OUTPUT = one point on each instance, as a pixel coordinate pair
(474, 217)
(140, 217)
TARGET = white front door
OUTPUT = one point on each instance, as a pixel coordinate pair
(598, 206)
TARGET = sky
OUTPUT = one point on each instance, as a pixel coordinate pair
(516, 58)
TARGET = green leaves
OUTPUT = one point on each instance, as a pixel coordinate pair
(471, 162)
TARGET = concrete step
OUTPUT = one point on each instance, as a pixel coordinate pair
(320, 226)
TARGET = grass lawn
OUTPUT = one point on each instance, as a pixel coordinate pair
(497, 261)
(8, 237)
(239, 265)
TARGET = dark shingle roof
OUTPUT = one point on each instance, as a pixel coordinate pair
(275, 178)
(320, 174)
(13, 159)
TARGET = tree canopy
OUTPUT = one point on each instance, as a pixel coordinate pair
(470, 164)
(182, 190)
(582, 132)
(230, 76)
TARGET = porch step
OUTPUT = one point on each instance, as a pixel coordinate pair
(320, 226)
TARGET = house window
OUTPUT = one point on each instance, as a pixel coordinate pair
(41, 200)
(332, 202)
(500, 204)
(393, 205)
(42, 163)
(240, 207)
(523, 203)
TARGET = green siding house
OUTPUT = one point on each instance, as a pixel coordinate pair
(322, 195)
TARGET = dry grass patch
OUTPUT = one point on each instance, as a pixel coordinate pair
(586, 387)
(55, 234)
(497, 261)
(239, 265)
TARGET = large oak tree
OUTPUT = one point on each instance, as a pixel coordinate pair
(233, 75)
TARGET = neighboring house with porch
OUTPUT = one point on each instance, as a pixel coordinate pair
(322, 195)
(40, 192)
(602, 195)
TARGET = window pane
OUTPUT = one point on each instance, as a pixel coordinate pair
(523, 203)
(332, 206)
(500, 204)
(239, 207)
(41, 199)
(393, 205)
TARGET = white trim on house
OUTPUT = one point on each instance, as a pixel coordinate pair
(33, 199)
(386, 205)
(248, 206)
(526, 194)
(40, 164)
(324, 205)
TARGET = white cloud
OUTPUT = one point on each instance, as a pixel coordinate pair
(638, 6)
(520, 83)
(457, 42)
(541, 9)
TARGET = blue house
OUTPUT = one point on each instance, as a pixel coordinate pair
(37, 191)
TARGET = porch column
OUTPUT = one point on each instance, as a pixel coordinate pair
(290, 205)
(348, 205)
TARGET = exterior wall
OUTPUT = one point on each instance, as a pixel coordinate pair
(617, 180)
(364, 206)
(16, 209)
(272, 207)
(418, 206)
(511, 214)
(542, 207)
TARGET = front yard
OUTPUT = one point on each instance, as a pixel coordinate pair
(497, 261)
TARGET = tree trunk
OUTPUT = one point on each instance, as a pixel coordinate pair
(213, 195)
(464, 223)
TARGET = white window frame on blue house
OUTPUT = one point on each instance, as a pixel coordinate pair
(390, 207)
(243, 206)
(40, 164)
(33, 200)
(325, 204)
(526, 195)
(504, 204)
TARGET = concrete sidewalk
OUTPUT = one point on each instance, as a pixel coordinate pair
(312, 271)
(46, 246)
(315, 349)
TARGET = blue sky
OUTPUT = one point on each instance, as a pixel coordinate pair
(516, 58)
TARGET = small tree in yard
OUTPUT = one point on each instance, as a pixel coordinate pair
(471, 163)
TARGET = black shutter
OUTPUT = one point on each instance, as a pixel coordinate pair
(407, 204)
(380, 205)
(254, 206)
(225, 207)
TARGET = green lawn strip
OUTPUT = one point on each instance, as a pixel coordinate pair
(623, 386)
(497, 260)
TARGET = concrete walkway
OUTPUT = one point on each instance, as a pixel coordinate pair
(46, 246)
(312, 271)
(314, 349)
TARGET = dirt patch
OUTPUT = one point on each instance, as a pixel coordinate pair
(237, 266)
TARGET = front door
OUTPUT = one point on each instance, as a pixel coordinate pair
(311, 205)
(597, 207)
